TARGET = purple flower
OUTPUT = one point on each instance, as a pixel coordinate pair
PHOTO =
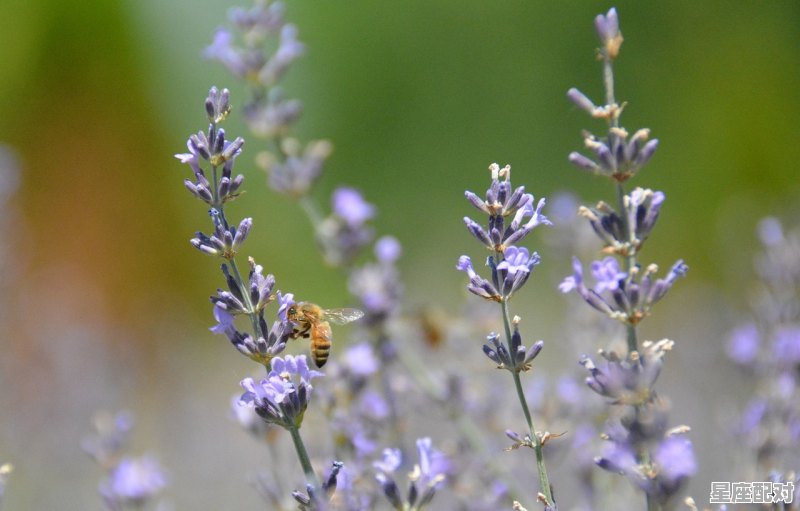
(289, 50)
(618, 155)
(212, 148)
(110, 437)
(627, 381)
(477, 285)
(520, 357)
(433, 464)
(428, 475)
(786, 346)
(574, 281)
(675, 459)
(282, 397)
(223, 50)
(517, 260)
(388, 250)
(391, 461)
(501, 202)
(569, 391)
(290, 366)
(378, 285)
(515, 269)
(297, 173)
(372, 405)
(134, 481)
(224, 321)
(753, 415)
(350, 206)
(607, 27)
(619, 458)
(260, 286)
(607, 274)
(624, 233)
(743, 344)
(360, 359)
(623, 299)
(344, 233)
(770, 232)
(284, 302)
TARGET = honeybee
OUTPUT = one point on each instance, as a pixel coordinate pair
(311, 321)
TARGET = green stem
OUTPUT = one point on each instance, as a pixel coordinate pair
(544, 481)
(608, 80)
(311, 209)
(302, 455)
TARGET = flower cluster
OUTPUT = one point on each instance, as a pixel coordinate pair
(503, 201)
(213, 148)
(427, 476)
(227, 304)
(266, 49)
(345, 232)
(624, 296)
(377, 285)
(310, 501)
(510, 265)
(639, 444)
(625, 236)
(518, 357)
(282, 397)
(133, 482)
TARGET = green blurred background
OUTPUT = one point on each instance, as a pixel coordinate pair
(419, 98)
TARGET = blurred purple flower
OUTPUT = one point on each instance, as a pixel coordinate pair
(360, 359)
(372, 405)
(391, 461)
(388, 250)
(433, 464)
(134, 482)
(350, 206)
(786, 346)
(743, 344)
(675, 459)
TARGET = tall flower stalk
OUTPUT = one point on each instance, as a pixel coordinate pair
(281, 398)
(259, 47)
(767, 347)
(510, 266)
(656, 459)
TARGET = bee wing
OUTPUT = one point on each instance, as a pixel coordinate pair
(342, 316)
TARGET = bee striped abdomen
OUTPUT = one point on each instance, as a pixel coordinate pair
(320, 342)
